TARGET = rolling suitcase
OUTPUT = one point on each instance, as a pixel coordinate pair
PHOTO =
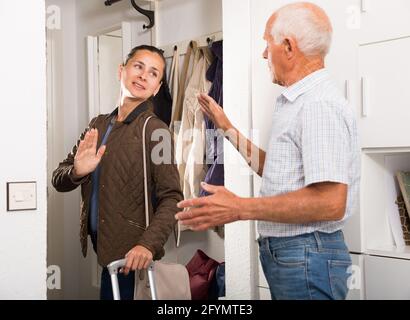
(113, 268)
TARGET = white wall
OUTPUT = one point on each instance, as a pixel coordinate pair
(23, 142)
(240, 244)
(179, 20)
(63, 219)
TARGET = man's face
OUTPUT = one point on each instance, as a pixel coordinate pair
(141, 76)
(274, 53)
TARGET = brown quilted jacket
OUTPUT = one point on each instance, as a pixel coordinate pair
(121, 224)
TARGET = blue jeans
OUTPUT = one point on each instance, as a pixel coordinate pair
(126, 284)
(312, 266)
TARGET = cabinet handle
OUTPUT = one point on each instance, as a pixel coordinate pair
(365, 97)
(347, 90)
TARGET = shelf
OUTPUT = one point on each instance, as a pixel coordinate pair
(391, 252)
(379, 211)
(386, 151)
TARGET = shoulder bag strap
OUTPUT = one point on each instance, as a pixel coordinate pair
(144, 156)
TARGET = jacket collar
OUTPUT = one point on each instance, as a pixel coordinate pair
(134, 114)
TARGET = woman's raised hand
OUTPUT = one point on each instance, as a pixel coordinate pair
(87, 158)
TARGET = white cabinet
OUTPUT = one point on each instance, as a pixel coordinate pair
(384, 19)
(355, 282)
(385, 106)
(387, 278)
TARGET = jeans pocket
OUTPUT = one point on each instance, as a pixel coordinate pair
(338, 277)
(290, 256)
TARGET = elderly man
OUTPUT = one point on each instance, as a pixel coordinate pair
(310, 172)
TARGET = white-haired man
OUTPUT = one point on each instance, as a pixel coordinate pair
(310, 172)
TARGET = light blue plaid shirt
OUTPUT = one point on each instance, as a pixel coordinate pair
(314, 139)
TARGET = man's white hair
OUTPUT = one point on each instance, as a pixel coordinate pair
(311, 30)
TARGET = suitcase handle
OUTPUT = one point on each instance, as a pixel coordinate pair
(113, 268)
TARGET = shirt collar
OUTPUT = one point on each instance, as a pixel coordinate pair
(134, 114)
(306, 84)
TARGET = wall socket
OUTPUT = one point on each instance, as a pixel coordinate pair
(21, 196)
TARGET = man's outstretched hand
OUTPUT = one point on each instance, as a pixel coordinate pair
(220, 208)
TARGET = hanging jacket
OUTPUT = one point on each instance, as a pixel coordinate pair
(214, 142)
(190, 147)
(163, 104)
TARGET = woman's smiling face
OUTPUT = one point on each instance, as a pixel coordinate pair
(141, 77)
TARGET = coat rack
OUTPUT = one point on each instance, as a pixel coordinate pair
(148, 13)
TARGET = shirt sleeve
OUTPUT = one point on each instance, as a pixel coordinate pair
(325, 144)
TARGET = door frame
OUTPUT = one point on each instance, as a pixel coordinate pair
(92, 62)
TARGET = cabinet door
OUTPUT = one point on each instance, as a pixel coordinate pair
(356, 279)
(382, 20)
(385, 107)
(387, 279)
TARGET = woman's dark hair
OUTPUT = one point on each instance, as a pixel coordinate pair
(152, 49)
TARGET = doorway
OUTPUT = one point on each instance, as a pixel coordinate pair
(106, 51)
(109, 53)
(80, 278)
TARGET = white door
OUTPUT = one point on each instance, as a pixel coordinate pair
(385, 109)
(105, 52)
(355, 282)
(387, 279)
(109, 59)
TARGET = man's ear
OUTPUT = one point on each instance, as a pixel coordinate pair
(290, 47)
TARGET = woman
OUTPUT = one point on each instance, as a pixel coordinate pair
(107, 162)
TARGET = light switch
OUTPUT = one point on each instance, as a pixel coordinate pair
(21, 196)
